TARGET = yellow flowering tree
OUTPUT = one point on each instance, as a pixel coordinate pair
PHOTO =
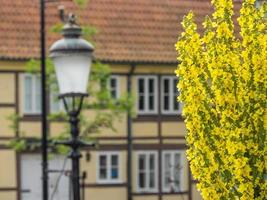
(223, 86)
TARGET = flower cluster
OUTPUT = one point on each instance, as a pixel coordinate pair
(223, 86)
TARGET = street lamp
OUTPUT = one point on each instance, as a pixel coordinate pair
(72, 57)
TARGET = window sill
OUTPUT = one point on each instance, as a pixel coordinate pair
(157, 193)
(38, 117)
(146, 193)
(110, 183)
(31, 117)
(58, 117)
(96, 185)
(175, 193)
(158, 117)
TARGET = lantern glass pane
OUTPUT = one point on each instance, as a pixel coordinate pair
(72, 73)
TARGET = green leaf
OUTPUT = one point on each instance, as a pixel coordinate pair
(57, 28)
(81, 3)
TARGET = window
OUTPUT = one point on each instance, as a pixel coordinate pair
(32, 94)
(172, 171)
(114, 87)
(147, 172)
(147, 94)
(169, 95)
(56, 105)
(108, 167)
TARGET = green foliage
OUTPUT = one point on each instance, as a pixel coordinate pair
(14, 122)
(57, 28)
(18, 144)
(81, 3)
(33, 67)
(60, 149)
(62, 116)
(89, 32)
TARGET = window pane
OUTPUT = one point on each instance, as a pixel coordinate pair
(152, 171)
(167, 179)
(177, 169)
(141, 85)
(141, 162)
(55, 102)
(167, 161)
(166, 103)
(113, 82)
(167, 170)
(152, 180)
(177, 185)
(151, 102)
(38, 94)
(177, 160)
(113, 88)
(151, 86)
(103, 161)
(142, 180)
(176, 93)
(113, 94)
(103, 173)
(141, 90)
(142, 167)
(28, 94)
(166, 93)
(141, 102)
(114, 172)
(175, 90)
(152, 162)
(114, 160)
(166, 85)
(103, 167)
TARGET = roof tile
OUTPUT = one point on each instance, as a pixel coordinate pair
(129, 31)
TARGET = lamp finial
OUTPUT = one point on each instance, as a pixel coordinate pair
(72, 19)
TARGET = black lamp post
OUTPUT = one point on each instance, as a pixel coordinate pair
(72, 57)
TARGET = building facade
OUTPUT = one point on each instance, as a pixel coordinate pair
(145, 158)
(159, 167)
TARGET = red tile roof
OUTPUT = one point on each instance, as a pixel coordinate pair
(129, 31)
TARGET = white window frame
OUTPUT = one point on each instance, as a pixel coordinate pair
(171, 109)
(108, 180)
(117, 85)
(182, 171)
(146, 95)
(147, 189)
(33, 111)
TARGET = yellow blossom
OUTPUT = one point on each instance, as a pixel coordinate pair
(223, 85)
